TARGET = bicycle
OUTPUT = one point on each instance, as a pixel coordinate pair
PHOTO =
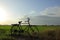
(28, 30)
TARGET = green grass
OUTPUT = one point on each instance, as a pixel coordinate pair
(5, 30)
(41, 28)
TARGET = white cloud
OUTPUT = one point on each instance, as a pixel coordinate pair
(49, 16)
(51, 11)
(32, 12)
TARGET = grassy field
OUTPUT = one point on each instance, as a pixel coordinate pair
(45, 32)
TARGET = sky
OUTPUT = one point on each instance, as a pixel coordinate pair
(41, 12)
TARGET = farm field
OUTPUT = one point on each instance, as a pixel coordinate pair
(45, 32)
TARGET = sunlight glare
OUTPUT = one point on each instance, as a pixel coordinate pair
(2, 15)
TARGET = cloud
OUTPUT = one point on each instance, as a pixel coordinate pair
(32, 12)
(51, 11)
(49, 16)
(43, 20)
